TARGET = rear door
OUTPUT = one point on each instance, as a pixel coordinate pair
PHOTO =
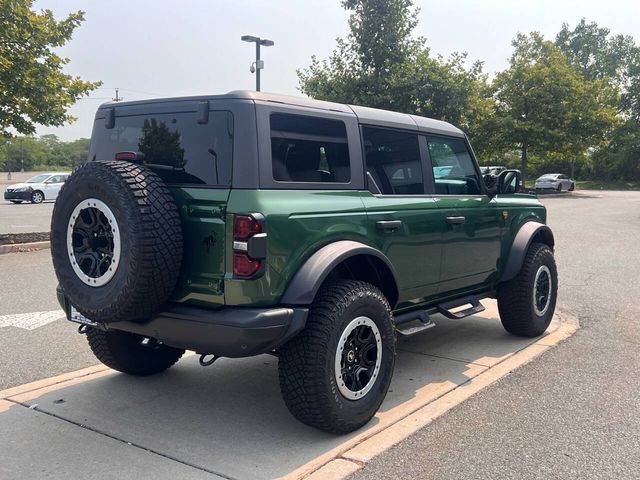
(192, 153)
(404, 223)
(473, 226)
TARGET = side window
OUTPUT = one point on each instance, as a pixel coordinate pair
(393, 162)
(454, 171)
(309, 149)
(55, 179)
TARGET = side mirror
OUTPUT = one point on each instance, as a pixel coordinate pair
(509, 181)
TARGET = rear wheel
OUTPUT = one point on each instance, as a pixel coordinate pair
(37, 197)
(559, 188)
(125, 352)
(527, 302)
(335, 374)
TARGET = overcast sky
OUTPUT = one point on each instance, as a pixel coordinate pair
(151, 48)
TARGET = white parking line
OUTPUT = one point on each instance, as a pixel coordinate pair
(30, 321)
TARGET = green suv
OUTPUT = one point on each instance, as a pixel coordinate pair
(246, 223)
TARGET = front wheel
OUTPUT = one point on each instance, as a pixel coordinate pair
(335, 374)
(527, 302)
(125, 352)
(37, 197)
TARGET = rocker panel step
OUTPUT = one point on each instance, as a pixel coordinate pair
(445, 308)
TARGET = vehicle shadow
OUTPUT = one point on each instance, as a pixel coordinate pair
(231, 419)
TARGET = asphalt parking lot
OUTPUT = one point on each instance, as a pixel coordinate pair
(25, 217)
(571, 413)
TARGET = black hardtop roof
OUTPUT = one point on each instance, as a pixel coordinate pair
(366, 115)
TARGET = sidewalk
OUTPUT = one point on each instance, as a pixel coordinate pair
(229, 421)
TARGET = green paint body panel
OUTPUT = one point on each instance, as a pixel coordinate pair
(203, 215)
(434, 260)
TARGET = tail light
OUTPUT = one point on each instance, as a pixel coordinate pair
(249, 245)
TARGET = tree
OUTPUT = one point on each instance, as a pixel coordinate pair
(381, 65)
(544, 105)
(597, 54)
(33, 88)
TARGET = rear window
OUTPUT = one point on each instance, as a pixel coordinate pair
(309, 149)
(174, 145)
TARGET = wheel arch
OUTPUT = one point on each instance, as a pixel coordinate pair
(342, 259)
(528, 233)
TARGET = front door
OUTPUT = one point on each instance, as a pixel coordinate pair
(404, 223)
(473, 225)
(52, 186)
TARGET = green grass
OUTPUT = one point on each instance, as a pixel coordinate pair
(607, 185)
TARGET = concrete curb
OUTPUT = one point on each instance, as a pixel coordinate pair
(24, 247)
(343, 462)
(354, 453)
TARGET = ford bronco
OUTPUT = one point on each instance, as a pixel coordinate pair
(243, 224)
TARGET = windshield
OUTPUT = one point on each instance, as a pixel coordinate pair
(38, 178)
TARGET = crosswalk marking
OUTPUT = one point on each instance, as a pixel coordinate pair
(30, 321)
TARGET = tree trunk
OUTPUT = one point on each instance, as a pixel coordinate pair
(523, 162)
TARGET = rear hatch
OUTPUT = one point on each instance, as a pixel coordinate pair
(191, 148)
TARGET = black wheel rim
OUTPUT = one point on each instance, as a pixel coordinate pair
(358, 358)
(542, 290)
(93, 242)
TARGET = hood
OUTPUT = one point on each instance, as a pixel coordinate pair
(20, 185)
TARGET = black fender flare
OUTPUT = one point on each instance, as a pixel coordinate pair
(527, 233)
(307, 281)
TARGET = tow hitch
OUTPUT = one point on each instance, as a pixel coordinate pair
(203, 359)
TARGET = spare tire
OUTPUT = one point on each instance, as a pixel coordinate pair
(116, 241)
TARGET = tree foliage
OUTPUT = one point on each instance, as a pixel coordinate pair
(381, 64)
(544, 106)
(33, 87)
(44, 153)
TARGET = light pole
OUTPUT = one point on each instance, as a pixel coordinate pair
(259, 64)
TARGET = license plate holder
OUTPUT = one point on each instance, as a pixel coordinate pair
(77, 317)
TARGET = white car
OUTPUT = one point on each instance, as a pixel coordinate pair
(44, 186)
(555, 181)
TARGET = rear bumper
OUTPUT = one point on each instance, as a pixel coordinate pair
(227, 332)
(24, 196)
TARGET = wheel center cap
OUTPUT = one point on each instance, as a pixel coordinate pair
(351, 356)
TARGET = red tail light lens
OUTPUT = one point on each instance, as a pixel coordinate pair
(244, 226)
(243, 266)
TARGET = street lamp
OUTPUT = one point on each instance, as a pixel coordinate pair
(259, 64)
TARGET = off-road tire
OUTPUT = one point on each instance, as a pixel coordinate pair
(123, 351)
(37, 197)
(515, 297)
(150, 236)
(307, 362)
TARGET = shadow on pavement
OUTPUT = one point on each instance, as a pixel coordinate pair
(229, 419)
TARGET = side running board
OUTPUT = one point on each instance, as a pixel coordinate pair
(413, 322)
(445, 308)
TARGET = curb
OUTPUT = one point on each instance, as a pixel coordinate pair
(353, 456)
(24, 247)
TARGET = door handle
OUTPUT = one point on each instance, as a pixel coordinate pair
(388, 225)
(455, 220)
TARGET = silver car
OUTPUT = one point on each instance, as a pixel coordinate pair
(555, 181)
